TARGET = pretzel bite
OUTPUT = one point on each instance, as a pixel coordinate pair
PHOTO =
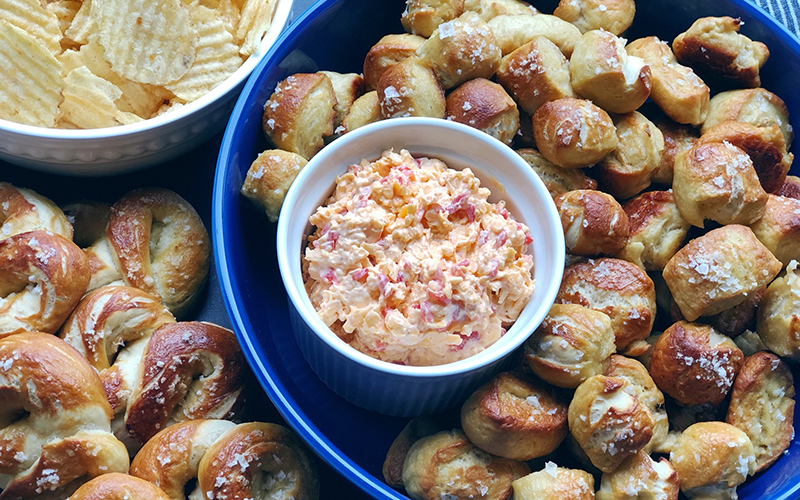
(415, 430)
(513, 31)
(557, 180)
(677, 138)
(594, 222)
(555, 482)
(154, 241)
(719, 270)
(42, 278)
(513, 417)
(88, 220)
(447, 463)
(790, 188)
(608, 421)
(301, 113)
(347, 87)
(711, 459)
(484, 105)
(269, 178)
(779, 228)
(676, 89)
(460, 50)
(762, 405)
(489, 9)
(365, 110)
(694, 364)
(422, 17)
(734, 321)
(601, 70)
(656, 230)
(535, 73)
(750, 343)
(639, 476)
(187, 371)
(627, 170)
(758, 107)
(713, 45)
(779, 314)
(390, 50)
(648, 393)
(614, 16)
(410, 89)
(764, 145)
(54, 421)
(117, 486)
(717, 181)
(617, 288)
(573, 133)
(570, 345)
(23, 210)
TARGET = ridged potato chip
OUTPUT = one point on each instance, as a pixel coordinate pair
(254, 23)
(65, 11)
(147, 41)
(82, 24)
(137, 98)
(89, 101)
(30, 80)
(217, 56)
(30, 16)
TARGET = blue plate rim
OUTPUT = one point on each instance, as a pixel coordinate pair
(266, 376)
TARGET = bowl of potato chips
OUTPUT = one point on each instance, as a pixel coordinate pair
(99, 87)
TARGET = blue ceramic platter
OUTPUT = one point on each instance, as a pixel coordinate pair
(336, 35)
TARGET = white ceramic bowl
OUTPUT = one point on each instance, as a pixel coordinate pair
(414, 390)
(115, 150)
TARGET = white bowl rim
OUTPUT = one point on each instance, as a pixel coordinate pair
(486, 357)
(279, 19)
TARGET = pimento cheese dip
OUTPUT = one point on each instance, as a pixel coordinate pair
(411, 264)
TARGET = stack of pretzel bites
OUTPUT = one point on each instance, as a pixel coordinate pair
(93, 363)
(661, 366)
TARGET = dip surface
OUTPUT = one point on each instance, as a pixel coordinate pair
(409, 263)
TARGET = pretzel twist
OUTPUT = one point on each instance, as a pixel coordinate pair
(54, 419)
(42, 278)
(116, 486)
(154, 241)
(189, 370)
(23, 210)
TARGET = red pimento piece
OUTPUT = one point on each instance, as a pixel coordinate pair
(504, 213)
(528, 239)
(359, 274)
(437, 296)
(483, 237)
(464, 339)
(502, 237)
(330, 276)
(494, 264)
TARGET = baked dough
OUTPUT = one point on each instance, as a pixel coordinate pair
(23, 210)
(410, 88)
(557, 180)
(422, 17)
(594, 222)
(779, 317)
(639, 476)
(719, 270)
(390, 50)
(779, 228)
(677, 138)
(488, 9)
(555, 482)
(614, 16)
(269, 178)
(513, 31)
(758, 107)
(484, 105)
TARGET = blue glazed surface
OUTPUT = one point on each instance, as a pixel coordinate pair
(336, 35)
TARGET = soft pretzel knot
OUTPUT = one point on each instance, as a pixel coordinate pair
(42, 278)
(154, 241)
(110, 327)
(23, 210)
(229, 462)
(189, 370)
(116, 486)
(54, 419)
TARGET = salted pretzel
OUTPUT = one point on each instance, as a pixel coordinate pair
(54, 419)
(116, 486)
(111, 327)
(229, 461)
(154, 241)
(42, 278)
(188, 370)
(23, 210)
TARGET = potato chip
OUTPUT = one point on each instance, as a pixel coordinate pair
(217, 56)
(82, 24)
(137, 98)
(30, 81)
(254, 23)
(147, 41)
(64, 11)
(89, 101)
(30, 16)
